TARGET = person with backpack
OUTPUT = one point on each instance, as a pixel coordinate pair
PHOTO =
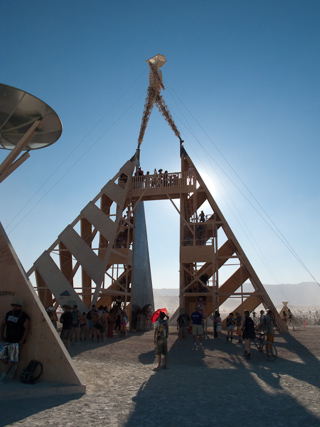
(248, 333)
(160, 339)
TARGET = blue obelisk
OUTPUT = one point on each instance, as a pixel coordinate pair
(142, 293)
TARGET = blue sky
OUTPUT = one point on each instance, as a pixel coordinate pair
(242, 83)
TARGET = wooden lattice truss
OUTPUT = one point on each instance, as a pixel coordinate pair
(208, 247)
(91, 260)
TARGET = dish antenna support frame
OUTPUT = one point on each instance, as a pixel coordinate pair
(10, 164)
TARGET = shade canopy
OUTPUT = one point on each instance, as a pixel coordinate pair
(18, 111)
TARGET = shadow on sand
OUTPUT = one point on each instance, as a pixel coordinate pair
(215, 385)
(15, 410)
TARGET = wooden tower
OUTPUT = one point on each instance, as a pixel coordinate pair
(103, 254)
(207, 245)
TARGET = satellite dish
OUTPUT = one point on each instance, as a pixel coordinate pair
(26, 123)
(18, 111)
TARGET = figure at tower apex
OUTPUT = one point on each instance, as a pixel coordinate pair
(158, 61)
(153, 96)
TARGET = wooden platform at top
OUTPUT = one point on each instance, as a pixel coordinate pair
(162, 186)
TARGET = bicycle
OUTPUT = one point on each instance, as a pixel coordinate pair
(265, 347)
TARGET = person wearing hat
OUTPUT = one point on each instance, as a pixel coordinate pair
(13, 333)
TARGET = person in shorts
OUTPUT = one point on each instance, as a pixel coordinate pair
(230, 326)
(160, 339)
(14, 330)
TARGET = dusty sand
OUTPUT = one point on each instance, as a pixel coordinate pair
(208, 386)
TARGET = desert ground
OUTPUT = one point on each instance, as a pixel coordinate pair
(208, 385)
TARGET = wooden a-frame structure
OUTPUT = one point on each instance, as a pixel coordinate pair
(101, 242)
(107, 242)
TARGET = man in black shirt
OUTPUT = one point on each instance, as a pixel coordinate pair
(13, 333)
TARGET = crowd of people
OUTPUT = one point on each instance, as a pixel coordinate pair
(245, 327)
(306, 316)
(158, 179)
(97, 324)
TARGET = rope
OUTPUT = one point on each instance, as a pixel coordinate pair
(271, 223)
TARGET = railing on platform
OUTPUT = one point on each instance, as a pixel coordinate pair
(189, 241)
(162, 181)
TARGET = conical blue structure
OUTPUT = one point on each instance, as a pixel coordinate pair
(142, 292)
